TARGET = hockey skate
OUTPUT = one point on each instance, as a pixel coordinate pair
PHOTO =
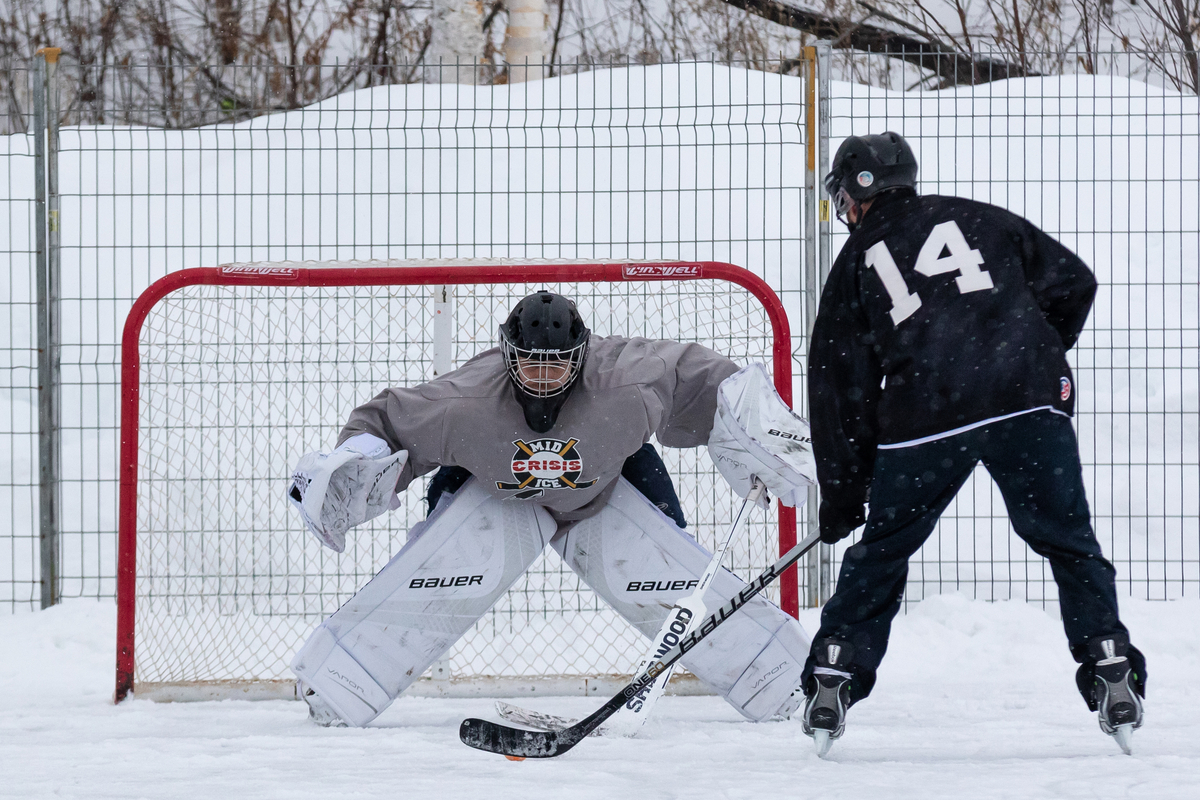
(828, 691)
(1116, 690)
(318, 710)
(825, 712)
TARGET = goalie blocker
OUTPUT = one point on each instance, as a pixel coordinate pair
(756, 435)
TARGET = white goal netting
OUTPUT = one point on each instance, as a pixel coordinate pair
(237, 382)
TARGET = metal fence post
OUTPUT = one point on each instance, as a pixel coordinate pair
(825, 235)
(812, 286)
(46, 176)
(443, 362)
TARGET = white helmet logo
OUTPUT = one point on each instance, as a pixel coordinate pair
(865, 178)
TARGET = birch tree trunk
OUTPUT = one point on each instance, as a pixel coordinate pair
(456, 43)
(525, 40)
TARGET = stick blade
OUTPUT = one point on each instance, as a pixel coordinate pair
(532, 719)
(503, 740)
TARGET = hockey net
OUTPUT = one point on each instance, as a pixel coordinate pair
(231, 373)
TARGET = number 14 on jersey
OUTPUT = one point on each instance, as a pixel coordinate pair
(959, 258)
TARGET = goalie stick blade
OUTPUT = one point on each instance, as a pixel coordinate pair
(493, 738)
(542, 721)
(532, 719)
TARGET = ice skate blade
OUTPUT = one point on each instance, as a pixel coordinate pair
(1124, 736)
(822, 741)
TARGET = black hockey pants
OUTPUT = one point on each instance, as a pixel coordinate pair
(1034, 459)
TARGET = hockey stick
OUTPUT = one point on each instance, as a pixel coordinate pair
(681, 619)
(517, 743)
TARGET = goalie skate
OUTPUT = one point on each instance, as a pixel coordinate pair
(318, 710)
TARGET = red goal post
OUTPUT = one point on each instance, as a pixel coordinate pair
(192, 539)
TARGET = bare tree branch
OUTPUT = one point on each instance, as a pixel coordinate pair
(952, 67)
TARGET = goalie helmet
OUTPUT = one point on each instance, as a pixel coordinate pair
(866, 166)
(544, 342)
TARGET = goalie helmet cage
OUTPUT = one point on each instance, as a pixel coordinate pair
(230, 373)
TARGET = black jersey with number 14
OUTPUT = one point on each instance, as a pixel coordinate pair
(940, 313)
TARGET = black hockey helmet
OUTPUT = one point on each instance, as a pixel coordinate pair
(544, 343)
(868, 165)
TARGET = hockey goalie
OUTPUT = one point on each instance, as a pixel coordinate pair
(544, 441)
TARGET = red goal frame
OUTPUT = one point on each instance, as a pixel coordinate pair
(394, 274)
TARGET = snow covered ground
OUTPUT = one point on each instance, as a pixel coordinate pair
(976, 700)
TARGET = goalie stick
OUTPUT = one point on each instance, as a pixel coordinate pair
(516, 743)
(680, 621)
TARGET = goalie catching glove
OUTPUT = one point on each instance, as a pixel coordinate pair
(336, 491)
(755, 434)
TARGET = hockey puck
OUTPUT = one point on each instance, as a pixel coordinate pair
(515, 758)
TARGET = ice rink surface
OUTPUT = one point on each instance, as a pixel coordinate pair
(975, 700)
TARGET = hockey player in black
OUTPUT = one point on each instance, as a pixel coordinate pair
(941, 342)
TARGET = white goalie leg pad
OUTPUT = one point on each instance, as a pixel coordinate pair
(455, 566)
(641, 563)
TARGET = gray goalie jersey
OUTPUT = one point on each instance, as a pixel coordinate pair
(630, 389)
